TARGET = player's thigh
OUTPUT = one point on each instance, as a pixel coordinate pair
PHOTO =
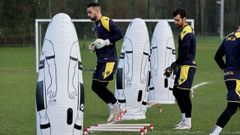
(233, 87)
(184, 77)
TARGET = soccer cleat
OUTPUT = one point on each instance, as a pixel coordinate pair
(179, 124)
(116, 114)
(216, 130)
(183, 125)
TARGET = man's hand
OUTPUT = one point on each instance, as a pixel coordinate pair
(168, 71)
(100, 43)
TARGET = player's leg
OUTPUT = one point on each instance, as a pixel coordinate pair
(225, 117)
(183, 84)
(187, 107)
(180, 101)
(100, 88)
(177, 95)
(232, 106)
(102, 75)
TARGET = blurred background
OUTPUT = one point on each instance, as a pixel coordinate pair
(18, 16)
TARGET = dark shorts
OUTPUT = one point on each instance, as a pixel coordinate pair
(233, 87)
(105, 71)
(184, 77)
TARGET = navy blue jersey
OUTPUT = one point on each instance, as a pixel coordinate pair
(186, 47)
(230, 48)
(105, 28)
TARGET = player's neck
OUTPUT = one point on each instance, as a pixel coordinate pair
(98, 17)
(184, 24)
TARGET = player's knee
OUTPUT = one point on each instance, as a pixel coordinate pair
(97, 86)
(231, 109)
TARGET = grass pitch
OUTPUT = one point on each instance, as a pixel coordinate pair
(18, 82)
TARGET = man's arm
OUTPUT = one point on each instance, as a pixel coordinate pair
(116, 33)
(182, 55)
(219, 57)
(184, 49)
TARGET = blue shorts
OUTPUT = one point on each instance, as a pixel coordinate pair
(104, 72)
(233, 87)
(184, 77)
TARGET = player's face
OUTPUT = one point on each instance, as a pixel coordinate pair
(91, 13)
(179, 21)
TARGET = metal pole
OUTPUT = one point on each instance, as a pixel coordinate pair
(40, 37)
(148, 9)
(222, 19)
(134, 8)
(49, 9)
(36, 44)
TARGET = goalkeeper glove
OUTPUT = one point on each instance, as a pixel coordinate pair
(100, 43)
(168, 71)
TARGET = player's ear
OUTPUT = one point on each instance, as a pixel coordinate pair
(97, 9)
(184, 19)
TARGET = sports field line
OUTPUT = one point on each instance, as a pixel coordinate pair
(196, 132)
(199, 85)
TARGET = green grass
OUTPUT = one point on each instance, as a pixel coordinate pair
(17, 95)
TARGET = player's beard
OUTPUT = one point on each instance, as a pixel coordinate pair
(180, 25)
(92, 18)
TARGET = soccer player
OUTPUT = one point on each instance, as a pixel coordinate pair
(184, 67)
(107, 33)
(230, 48)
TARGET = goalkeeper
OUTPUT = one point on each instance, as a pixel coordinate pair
(185, 67)
(107, 33)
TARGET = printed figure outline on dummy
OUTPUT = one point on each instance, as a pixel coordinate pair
(145, 61)
(120, 80)
(167, 62)
(129, 59)
(72, 75)
(75, 78)
(145, 98)
(44, 89)
(155, 64)
(50, 71)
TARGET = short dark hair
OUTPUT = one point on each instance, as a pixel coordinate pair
(180, 12)
(93, 4)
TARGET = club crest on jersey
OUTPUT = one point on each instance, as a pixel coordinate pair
(231, 38)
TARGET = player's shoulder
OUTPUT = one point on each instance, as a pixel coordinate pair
(105, 22)
(237, 34)
(232, 36)
(186, 30)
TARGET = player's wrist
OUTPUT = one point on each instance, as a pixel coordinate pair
(107, 42)
(173, 66)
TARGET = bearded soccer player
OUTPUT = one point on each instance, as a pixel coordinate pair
(230, 48)
(107, 33)
(184, 67)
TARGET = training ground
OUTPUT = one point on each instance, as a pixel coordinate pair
(18, 82)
